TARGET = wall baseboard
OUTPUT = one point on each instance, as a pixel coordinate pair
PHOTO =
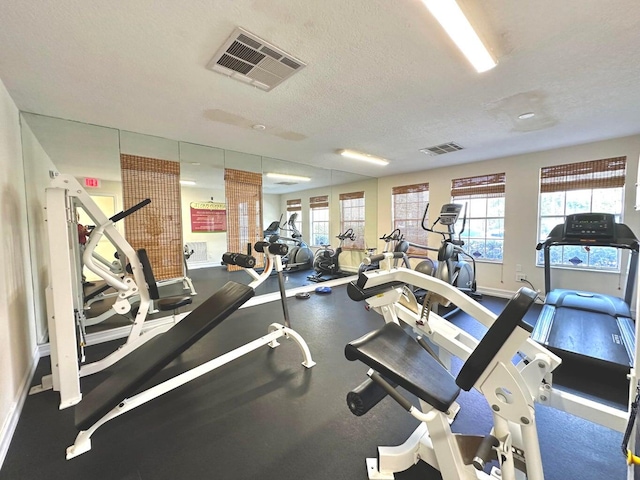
(11, 422)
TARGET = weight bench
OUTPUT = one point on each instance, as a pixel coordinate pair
(394, 357)
(111, 397)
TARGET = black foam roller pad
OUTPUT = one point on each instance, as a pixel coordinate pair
(278, 249)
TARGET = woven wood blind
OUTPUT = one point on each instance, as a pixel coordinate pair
(294, 205)
(320, 201)
(158, 226)
(604, 173)
(491, 185)
(243, 191)
(416, 188)
(409, 203)
(351, 196)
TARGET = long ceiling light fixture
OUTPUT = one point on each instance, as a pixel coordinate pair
(364, 157)
(187, 182)
(454, 22)
(284, 176)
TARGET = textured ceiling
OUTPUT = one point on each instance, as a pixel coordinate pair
(381, 75)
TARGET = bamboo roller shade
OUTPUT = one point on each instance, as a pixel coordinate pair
(158, 226)
(243, 191)
(604, 173)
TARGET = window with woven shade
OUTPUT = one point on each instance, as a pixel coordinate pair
(408, 203)
(352, 216)
(243, 192)
(483, 199)
(157, 227)
(319, 213)
(581, 187)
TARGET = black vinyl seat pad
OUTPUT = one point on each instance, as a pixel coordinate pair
(172, 303)
(144, 362)
(397, 356)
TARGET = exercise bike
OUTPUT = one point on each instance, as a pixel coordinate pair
(326, 261)
(393, 242)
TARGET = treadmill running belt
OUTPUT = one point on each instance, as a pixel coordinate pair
(589, 334)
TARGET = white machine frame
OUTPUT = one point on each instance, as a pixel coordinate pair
(453, 341)
(276, 331)
(65, 313)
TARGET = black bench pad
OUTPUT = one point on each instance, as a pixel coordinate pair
(398, 357)
(135, 369)
(172, 303)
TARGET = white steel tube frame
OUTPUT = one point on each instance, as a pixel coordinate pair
(64, 298)
(82, 443)
(457, 342)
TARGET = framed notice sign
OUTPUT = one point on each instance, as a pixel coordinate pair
(208, 217)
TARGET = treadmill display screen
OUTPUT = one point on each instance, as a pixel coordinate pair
(589, 226)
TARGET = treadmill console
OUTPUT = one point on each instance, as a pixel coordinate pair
(449, 213)
(590, 226)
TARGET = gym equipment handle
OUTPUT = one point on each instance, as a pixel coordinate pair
(380, 257)
(119, 216)
(239, 259)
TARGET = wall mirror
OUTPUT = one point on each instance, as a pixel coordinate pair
(93, 152)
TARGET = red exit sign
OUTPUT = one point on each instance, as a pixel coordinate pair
(92, 182)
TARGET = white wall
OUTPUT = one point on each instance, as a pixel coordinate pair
(216, 241)
(521, 211)
(17, 331)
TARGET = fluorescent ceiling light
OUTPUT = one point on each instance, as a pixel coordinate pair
(364, 157)
(283, 176)
(187, 182)
(448, 13)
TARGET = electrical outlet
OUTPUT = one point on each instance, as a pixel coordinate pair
(520, 277)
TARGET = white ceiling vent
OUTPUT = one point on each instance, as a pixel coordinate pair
(248, 58)
(442, 149)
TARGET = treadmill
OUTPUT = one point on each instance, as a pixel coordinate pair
(590, 331)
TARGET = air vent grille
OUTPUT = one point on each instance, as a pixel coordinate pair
(442, 149)
(286, 183)
(250, 59)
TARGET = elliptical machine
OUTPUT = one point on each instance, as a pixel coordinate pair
(451, 265)
(300, 256)
(326, 262)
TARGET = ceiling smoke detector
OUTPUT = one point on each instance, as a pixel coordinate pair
(442, 149)
(251, 60)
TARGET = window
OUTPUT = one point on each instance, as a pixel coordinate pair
(408, 204)
(483, 197)
(593, 186)
(319, 208)
(352, 216)
(295, 206)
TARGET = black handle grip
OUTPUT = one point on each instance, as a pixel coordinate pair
(119, 216)
(365, 396)
(239, 259)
